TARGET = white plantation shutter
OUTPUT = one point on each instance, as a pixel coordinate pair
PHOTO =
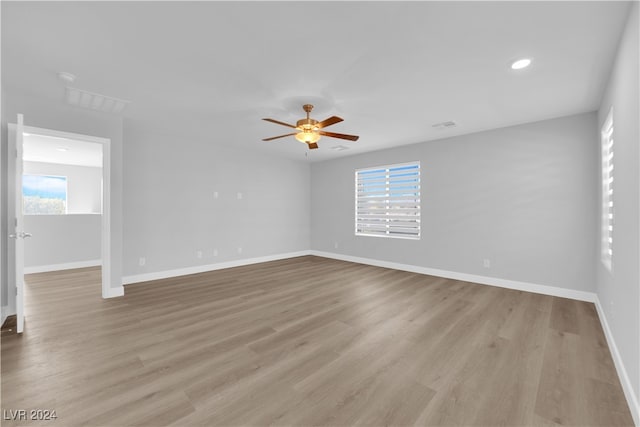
(388, 201)
(607, 191)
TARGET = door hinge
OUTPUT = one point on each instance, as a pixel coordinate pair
(16, 290)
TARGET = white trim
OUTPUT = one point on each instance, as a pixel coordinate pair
(114, 292)
(632, 399)
(105, 252)
(483, 280)
(64, 266)
(145, 277)
(65, 135)
(388, 166)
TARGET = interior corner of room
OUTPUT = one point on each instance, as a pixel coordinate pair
(518, 184)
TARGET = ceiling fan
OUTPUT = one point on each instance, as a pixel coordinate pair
(309, 130)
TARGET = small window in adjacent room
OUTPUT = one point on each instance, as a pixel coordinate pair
(44, 195)
(388, 201)
(607, 220)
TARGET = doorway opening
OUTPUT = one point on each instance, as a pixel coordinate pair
(61, 182)
(61, 203)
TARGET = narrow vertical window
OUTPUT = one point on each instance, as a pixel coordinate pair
(606, 139)
(388, 201)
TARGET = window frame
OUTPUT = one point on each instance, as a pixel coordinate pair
(607, 213)
(388, 234)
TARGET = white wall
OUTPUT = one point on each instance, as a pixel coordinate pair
(523, 197)
(619, 290)
(62, 241)
(170, 211)
(84, 184)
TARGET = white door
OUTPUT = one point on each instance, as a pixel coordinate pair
(18, 233)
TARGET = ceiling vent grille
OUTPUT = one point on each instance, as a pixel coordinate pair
(445, 125)
(95, 101)
(339, 148)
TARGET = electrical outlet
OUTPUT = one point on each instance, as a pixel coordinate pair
(142, 261)
(215, 194)
(239, 250)
(239, 196)
(335, 245)
(486, 263)
(215, 252)
(199, 254)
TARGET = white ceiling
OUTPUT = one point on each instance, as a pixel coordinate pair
(390, 69)
(40, 148)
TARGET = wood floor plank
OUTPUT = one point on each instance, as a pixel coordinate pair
(564, 316)
(561, 396)
(307, 341)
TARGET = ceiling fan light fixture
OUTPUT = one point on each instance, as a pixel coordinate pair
(308, 136)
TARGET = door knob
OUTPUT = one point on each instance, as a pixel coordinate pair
(21, 235)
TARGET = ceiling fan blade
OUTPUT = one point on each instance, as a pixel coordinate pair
(312, 146)
(339, 135)
(276, 137)
(330, 121)
(279, 123)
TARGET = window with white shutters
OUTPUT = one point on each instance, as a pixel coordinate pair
(607, 191)
(388, 201)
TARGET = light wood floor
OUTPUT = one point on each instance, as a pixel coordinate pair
(308, 341)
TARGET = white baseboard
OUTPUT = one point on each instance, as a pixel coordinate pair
(484, 280)
(114, 292)
(65, 266)
(632, 399)
(145, 277)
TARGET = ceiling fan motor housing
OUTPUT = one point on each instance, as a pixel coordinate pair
(307, 123)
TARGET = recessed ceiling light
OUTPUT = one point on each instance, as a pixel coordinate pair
(520, 64)
(339, 148)
(63, 149)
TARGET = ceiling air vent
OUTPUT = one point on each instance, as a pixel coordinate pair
(339, 148)
(95, 101)
(445, 125)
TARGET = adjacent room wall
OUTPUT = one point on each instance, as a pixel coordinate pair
(84, 184)
(172, 212)
(523, 197)
(62, 241)
(619, 290)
